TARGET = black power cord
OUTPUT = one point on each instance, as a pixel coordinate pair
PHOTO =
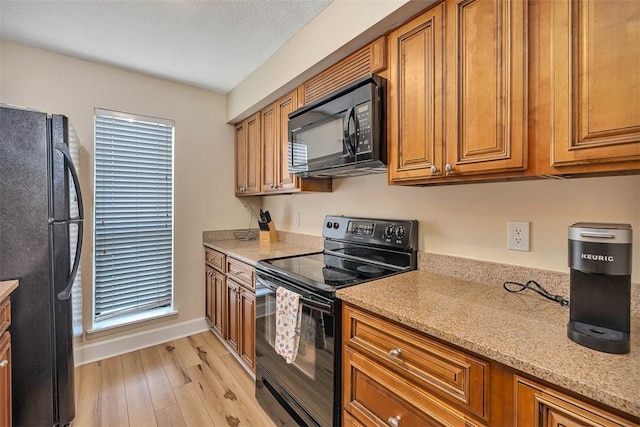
(516, 287)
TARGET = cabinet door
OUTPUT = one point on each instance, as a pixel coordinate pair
(209, 294)
(247, 330)
(5, 379)
(248, 156)
(595, 81)
(218, 303)
(270, 148)
(253, 154)
(486, 103)
(286, 105)
(416, 90)
(232, 303)
(241, 157)
(537, 405)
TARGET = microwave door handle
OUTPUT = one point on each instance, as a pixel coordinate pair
(348, 144)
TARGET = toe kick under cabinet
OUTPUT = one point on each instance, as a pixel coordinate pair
(230, 304)
(395, 376)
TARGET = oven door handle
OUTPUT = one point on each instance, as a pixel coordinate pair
(316, 305)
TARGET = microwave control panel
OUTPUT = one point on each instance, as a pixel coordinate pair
(363, 131)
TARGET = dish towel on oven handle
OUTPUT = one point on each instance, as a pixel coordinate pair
(288, 319)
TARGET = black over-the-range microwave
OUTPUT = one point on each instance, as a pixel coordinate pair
(341, 134)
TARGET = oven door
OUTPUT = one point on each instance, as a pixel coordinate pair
(308, 387)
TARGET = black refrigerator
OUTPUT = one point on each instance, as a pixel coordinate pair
(40, 244)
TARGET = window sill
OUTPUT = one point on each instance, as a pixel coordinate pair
(113, 325)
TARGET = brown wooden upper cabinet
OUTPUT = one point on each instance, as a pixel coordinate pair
(275, 170)
(588, 91)
(248, 156)
(262, 153)
(457, 97)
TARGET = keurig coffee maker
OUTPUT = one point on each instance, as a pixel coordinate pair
(600, 281)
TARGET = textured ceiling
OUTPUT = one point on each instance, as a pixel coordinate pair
(212, 44)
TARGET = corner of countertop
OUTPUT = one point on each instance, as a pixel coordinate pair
(6, 287)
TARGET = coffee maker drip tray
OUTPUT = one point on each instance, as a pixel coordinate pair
(598, 337)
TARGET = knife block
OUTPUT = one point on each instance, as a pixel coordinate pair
(271, 236)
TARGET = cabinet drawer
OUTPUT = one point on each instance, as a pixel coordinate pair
(241, 273)
(542, 406)
(441, 370)
(375, 395)
(215, 259)
(5, 315)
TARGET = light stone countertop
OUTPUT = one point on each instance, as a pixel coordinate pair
(524, 331)
(253, 251)
(6, 288)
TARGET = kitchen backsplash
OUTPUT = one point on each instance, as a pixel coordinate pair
(494, 273)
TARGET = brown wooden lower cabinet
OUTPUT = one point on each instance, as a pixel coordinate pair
(396, 376)
(241, 319)
(376, 395)
(5, 363)
(230, 304)
(247, 322)
(218, 286)
(537, 405)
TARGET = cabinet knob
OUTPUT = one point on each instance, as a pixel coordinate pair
(4, 363)
(448, 168)
(395, 352)
(394, 421)
(434, 170)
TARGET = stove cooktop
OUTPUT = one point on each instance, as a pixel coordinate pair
(356, 250)
(323, 272)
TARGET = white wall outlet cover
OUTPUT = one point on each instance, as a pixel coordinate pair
(518, 236)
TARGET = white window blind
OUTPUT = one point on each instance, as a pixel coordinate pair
(133, 214)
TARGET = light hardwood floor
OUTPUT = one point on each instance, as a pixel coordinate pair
(191, 381)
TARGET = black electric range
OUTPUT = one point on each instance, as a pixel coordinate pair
(356, 250)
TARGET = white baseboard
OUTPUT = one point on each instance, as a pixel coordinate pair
(92, 352)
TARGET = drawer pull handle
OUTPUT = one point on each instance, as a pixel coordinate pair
(237, 273)
(394, 421)
(396, 352)
(4, 363)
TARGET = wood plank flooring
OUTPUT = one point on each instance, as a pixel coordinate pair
(193, 381)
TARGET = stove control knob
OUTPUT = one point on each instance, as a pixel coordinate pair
(400, 232)
(388, 232)
(329, 224)
(336, 225)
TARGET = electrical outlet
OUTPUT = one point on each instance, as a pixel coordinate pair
(296, 219)
(518, 236)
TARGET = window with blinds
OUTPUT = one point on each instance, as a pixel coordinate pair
(133, 214)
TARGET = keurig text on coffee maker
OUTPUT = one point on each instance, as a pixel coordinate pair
(600, 286)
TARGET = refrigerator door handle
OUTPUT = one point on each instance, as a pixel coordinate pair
(66, 293)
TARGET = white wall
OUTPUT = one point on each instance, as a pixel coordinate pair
(204, 176)
(470, 220)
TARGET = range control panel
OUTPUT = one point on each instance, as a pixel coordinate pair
(401, 234)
